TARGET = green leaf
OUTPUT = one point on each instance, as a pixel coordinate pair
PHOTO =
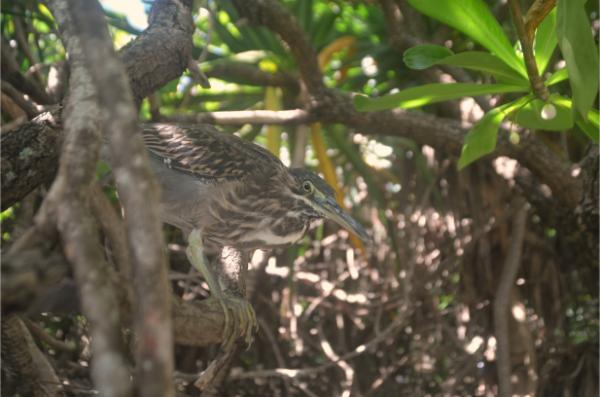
(305, 14)
(590, 125)
(588, 128)
(579, 51)
(423, 56)
(557, 77)
(486, 63)
(545, 41)
(473, 18)
(481, 140)
(322, 28)
(430, 93)
(556, 115)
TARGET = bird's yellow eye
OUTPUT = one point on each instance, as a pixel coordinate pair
(308, 187)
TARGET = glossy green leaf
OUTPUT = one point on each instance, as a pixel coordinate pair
(589, 125)
(545, 41)
(486, 63)
(579, 51)
(322, 27)
(424, 56)
(556, 115)
(473, 18)
(481, 140)
(430, 93)
(557, 77)
(305, 14)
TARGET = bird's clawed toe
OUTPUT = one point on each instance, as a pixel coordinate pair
(240, 320)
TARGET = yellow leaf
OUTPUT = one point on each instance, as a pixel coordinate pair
(273, 102)
(326, 167)
(337, 45)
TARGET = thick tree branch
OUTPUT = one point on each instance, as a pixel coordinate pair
(161, 53)
(69, 200)
(138, 193)
(29, 156)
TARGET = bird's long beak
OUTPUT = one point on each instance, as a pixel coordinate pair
(331, 210)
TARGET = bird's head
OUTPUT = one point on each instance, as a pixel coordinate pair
(319, 201)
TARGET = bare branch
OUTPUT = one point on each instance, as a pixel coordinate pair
(161, 53)
(29, 156)
(68, 199)
(240, 117)
(11, 73)
(139, 194)
(502, 300)
(388, 332)
(19, 99)
(536, 14)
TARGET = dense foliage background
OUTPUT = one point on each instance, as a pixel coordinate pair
(476, 277)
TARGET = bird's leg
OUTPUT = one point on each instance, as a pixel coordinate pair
(231, 274)
(195, 254)
(244, 320)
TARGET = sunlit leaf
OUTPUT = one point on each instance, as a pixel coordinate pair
(323, 28)
(326, 167)
(590, 125)
(481, 140)
(424, 56)
(341, 43)
(473, 18)
(557, 77)
(486, 63)
(273, 102)
(577, 45)
(545, 41)
(556, 115)
(430, 93)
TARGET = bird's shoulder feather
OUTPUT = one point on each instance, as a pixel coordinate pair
(205, 153)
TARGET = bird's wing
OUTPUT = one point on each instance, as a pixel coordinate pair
(205, 153)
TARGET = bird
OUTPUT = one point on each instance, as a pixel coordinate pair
(227, 192)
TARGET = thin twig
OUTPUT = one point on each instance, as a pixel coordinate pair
(296, 373)
(535, 80)
(536, 14)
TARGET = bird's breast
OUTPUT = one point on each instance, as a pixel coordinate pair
(268, 238)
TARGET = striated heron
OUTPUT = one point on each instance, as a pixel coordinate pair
(226, 192)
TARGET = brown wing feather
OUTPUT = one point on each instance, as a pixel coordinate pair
(205, 153)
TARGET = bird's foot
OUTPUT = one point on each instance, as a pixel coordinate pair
(240, 319)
